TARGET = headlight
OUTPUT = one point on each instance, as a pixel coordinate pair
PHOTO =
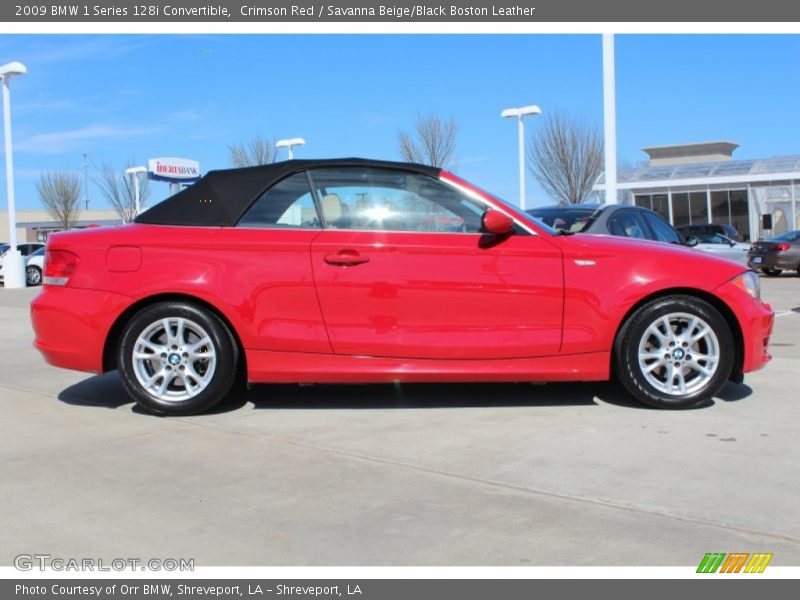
(750, 283)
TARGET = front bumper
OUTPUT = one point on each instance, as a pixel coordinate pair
(755, 318)
(71, 325)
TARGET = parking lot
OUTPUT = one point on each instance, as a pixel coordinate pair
(500, 474)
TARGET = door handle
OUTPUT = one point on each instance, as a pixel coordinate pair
(346, 258)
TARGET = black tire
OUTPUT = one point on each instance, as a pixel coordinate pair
(626, 353)
(197, 320)
(33, 275)
(770, 272)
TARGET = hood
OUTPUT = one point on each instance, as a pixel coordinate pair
(649, 261)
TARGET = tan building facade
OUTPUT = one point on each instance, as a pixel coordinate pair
(36, 225)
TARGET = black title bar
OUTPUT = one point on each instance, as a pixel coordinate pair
(508, 11)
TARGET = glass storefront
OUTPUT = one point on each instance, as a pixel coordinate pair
(733, 192)
(728, 207)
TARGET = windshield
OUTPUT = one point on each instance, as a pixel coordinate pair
(512, 207)
(563, 219)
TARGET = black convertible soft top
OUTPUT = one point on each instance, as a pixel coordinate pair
(221, 197)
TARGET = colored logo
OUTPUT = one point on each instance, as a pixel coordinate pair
(735, 562)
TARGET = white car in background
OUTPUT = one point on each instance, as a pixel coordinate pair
(26, 249)
(34, 267)
(720, 245)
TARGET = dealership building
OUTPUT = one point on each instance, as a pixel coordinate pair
(702, 183)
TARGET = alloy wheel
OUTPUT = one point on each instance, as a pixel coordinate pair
(679, 353)
(174, 359)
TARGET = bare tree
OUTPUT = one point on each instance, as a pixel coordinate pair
(566, 157)
(60, 194)
(432, 143)
(252, 153)
(118, 190)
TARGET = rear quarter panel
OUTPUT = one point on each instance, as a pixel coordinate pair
(259, 279)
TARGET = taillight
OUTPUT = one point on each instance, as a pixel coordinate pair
(780, 247)
(59, 265)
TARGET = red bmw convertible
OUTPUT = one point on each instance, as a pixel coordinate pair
(355, 270)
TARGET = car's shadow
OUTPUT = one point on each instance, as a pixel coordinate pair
(106, 391)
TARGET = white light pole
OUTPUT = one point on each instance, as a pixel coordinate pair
(289, 143)
(520, 113)
(13, 264)
(133, 173)
(86, 180)
(609, 118)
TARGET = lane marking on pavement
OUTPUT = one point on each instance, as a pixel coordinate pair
(783, 313)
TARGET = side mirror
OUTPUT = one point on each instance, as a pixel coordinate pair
(496, 222)
(692, 242)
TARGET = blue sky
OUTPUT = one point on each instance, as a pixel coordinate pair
(138, 96)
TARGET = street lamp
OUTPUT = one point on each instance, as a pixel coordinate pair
(13, 264)
(288, 144)
(519, 114)
(133, 173)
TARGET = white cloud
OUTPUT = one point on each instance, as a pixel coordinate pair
(62, 141)
(98, 47)
(188, 114)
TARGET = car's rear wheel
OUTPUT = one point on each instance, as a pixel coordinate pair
(33, 275)
(176, 358)
(769, 271)
(674, 352)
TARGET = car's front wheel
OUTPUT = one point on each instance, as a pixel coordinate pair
(674, 352)
(176, 358)
(770, 272)
(33, 275)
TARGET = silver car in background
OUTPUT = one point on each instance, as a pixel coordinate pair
(720, 245)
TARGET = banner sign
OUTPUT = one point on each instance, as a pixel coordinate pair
(174, 170)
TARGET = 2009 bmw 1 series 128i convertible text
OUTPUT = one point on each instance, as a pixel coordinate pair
(353, 270)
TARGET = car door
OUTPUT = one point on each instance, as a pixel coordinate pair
(402, 269)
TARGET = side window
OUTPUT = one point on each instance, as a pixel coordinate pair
(664, 232)
(628, 224)
(392, 200)
(712, 238)
(288, 203)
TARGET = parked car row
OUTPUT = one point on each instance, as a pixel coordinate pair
(27, 250)
(781, 253)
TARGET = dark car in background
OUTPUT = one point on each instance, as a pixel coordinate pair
(781, 253)
(729, 231)
(610, 219)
